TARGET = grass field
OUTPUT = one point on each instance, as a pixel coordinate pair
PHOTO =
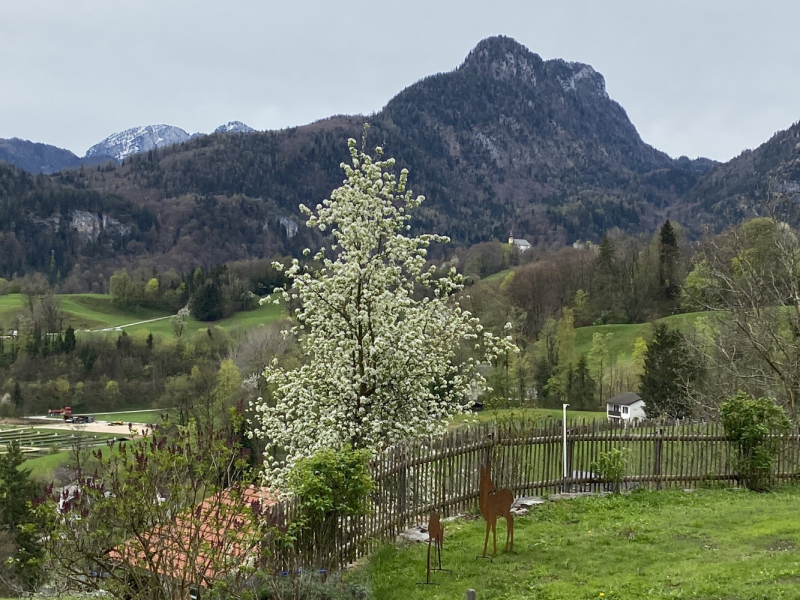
(96, 311)
(42, 467)
(720, 544)
(620, 346)
(498, 277)
(524, 413)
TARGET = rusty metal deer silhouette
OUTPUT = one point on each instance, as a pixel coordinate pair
(436, 537)
(495, 503)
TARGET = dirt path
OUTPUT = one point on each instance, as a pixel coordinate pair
(116, 327)
(121, 430)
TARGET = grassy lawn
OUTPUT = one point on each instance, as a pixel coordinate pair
(42, 467)
(524, 413)
(85, 311)
(725, 544)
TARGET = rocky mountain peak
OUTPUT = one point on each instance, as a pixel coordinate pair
(138, 139)
(234, 127)
(504, 58)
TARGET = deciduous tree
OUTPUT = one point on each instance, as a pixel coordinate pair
(750, 278)
(159, 515)
(381, 358)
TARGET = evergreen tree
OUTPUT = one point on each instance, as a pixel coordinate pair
(668, 261)
(581, 393)
(69, 342)
(669, 373)
(207, 302)
(16, 395)
(15, 514)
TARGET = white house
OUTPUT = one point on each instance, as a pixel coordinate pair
(521, 245)
(626, 406)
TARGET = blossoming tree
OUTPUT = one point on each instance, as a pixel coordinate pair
(381, 333)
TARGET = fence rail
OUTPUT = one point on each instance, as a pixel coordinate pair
(441, 473)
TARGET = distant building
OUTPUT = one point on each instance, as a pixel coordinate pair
(521, 245)
(626, 406)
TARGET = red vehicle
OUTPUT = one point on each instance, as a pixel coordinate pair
(66, 412)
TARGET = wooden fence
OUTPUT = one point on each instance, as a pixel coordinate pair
(441, 473)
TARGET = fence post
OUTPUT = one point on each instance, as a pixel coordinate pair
(401, 492)
(470, 594)
(570, 467)
(658, 442)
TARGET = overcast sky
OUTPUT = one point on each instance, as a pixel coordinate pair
(696, 78)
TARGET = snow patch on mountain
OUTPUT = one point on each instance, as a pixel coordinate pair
(138, 139)
(234, 127)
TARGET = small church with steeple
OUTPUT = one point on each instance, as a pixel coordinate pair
(521, 245)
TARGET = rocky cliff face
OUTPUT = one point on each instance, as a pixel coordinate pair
(138, 139)
(90, 225)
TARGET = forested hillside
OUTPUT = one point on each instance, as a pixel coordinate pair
(746, 185)
(48, 227)
(507, 142)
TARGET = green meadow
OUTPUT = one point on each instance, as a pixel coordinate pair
(709, 544)
(95, 312)
(620, 346)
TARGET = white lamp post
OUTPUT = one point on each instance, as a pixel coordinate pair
(564, 431)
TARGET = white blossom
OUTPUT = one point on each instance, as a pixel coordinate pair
(381, 365)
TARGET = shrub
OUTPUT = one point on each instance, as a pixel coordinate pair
(330, 485)
(610, 466)
(750, 424)
(307, 586)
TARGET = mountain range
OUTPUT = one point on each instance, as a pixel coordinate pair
(506, 141)
(45, 158)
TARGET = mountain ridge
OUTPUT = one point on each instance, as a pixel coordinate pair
(38, 157)
(505, 141)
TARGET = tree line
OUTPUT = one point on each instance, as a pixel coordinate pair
(210, 294)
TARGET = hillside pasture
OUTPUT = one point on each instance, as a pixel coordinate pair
(97, 312)
(624, 336)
